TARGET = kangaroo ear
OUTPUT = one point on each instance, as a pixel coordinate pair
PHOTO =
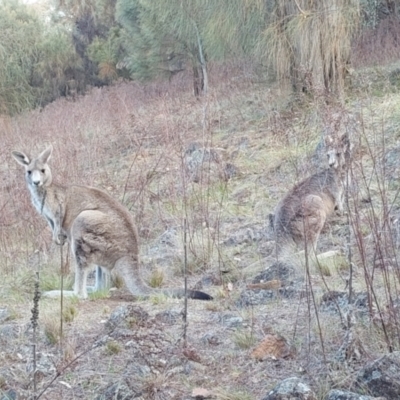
(21, 158)
(46, 154)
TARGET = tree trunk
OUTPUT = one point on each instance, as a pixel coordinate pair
(200, 75)
(198, 80)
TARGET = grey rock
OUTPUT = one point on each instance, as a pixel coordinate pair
(195, 157)
(277, 271)
(228, 320)
(135, 370)
(8, 333)
(246, 234)
(4, 314)
(169, 238)
(168, 317)
(230, 171)
(336, 394)
(122, 333)
(256, 297)
(382, 376)
(207, 281)
(291, 389)
(118, 391)
(126, 316)
(45, 365)
(333, 300)
(211, 339)
(9, 395)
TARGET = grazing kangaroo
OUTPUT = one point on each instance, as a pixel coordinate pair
(300, 216)
(99, 229)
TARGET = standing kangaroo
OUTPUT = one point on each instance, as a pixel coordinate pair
(99, 229)
(301, 214)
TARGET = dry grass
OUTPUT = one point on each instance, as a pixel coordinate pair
(131, 140)
(378, 45)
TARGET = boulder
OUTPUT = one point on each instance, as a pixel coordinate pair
(382, 376)
(336, 394)
(291, 389)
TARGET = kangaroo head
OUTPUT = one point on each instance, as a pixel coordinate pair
(337, 151)
(37, 171)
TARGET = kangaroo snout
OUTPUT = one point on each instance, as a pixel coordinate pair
(36, 178)
(332, 159)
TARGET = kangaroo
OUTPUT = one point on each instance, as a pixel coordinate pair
(99, 229)
(300, 216)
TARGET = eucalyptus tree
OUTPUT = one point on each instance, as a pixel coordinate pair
(162, 38)
(95, 36)
(34, 58)
(19, 35)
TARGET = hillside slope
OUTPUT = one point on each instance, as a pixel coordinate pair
(221, 164)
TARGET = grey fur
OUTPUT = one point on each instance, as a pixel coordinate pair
(99, 229)
(300, 216)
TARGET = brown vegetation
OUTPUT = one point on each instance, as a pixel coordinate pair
(133, 142)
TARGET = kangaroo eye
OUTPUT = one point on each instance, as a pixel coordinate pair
(42, 171)
(29, 172)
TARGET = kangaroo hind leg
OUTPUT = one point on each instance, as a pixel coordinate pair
(127, 267)
(102, 281)
(314, 216)
(88, 246)
(81, 271)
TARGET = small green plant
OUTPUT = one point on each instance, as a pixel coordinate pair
(244, 339)
(158, 299)
(69, 351)
(113, 347)
(131, 322)
(196, 264)
(153, 384)
(213, 306)
(51, 280)
(99, 294)
(51, 327)
(324, 269)
(69, 313)
(157, 278)
(117, 281)
(326, 263)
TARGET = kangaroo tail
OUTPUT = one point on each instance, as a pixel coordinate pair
(129, 270)
(139, 288)
(191, 294)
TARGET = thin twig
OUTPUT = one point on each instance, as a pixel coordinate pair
(61, 288)
(34, 320)
(348, 247)
(309, 280)
(185, 324)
